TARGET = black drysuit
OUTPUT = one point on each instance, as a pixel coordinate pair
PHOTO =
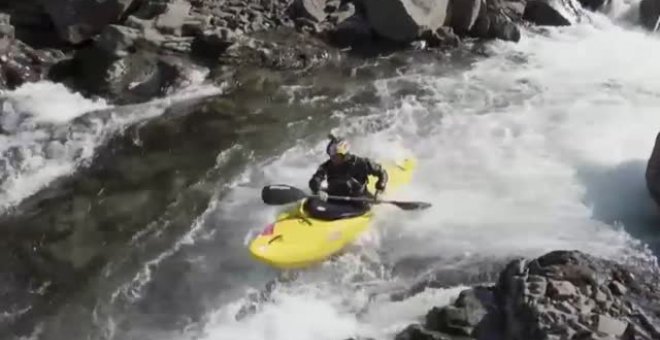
(349, 178)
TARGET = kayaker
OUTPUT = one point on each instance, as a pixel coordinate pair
(347, 174)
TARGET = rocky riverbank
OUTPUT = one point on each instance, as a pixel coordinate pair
(132, 50)
(560, 295)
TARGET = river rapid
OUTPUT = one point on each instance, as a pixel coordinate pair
(523, 148)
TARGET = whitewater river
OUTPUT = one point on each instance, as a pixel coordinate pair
(523, 148)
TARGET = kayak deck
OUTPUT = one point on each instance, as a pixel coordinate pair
(298, 240)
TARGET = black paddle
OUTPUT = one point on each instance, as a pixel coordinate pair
(284, 194)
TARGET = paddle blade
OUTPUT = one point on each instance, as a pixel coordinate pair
(281, 194)
(411, 205)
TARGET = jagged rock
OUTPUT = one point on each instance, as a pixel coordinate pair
(131, 78)
(577, 305)
(310, 9)
(649, 13)
(6, 33)
(352, 31)
(561, 290)
(464, 13)
(443, 36)
(210, 45)
(343, 13)
(610, 326)
(404, 20)
(464, 316)
(417, 332)
(514, 9)
(118, 40)
(491, 25)
(551, 12)
(618, 288)
(594, 5)
(653, 171)
(79, 20)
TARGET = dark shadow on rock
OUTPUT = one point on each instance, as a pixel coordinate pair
(619, 195)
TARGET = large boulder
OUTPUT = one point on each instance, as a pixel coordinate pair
(653, 172)
(6, 33)
(649, 12)
(310, 9)
(560, 295)
(552, 12)
(594, 5)
(464, 14)
(405, 20)
(79, 20)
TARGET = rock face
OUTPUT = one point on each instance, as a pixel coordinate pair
(653, 172)
(561, 295)
(403, 20)
(649, 13)
(552, 12)
(79, 20)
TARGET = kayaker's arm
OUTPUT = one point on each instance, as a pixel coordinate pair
(318, 178)
(377, 170)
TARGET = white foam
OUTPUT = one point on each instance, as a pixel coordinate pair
(42, 142)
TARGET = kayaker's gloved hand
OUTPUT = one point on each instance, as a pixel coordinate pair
(323, 196)
(378, 193)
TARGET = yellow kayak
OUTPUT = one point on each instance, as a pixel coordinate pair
(297, 239)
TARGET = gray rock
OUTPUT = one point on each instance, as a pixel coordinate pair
(551, 12)
(342, 14)
(310, 9)
(172, 19)
(649, 13)
(464, 14)
(212, 44)
(652, 174)
(351, 32)
(593, 5)
(6, 33)
(404, 20)
(610, 326)
(561, 290)
(417, 332)
(79, 20)
(442, 37)
(514, 8)
(618, 288)
(118, 40)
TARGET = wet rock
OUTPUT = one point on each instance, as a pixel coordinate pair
(404, 20)
(618, 288)
(464, 316)
(652, 174)
(79, 20)
(443, 37)
(352, 31)
(578, 304)
(594, 5)
(610, 326)
(649, 13)
(343, 13)
(464, 14)
(6, 33)
(417, 332)
(127, 78)
(493, 25)
(310, 9)
(551, 12)
(561, 290)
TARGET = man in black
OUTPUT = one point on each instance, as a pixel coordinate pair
(347, 174)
